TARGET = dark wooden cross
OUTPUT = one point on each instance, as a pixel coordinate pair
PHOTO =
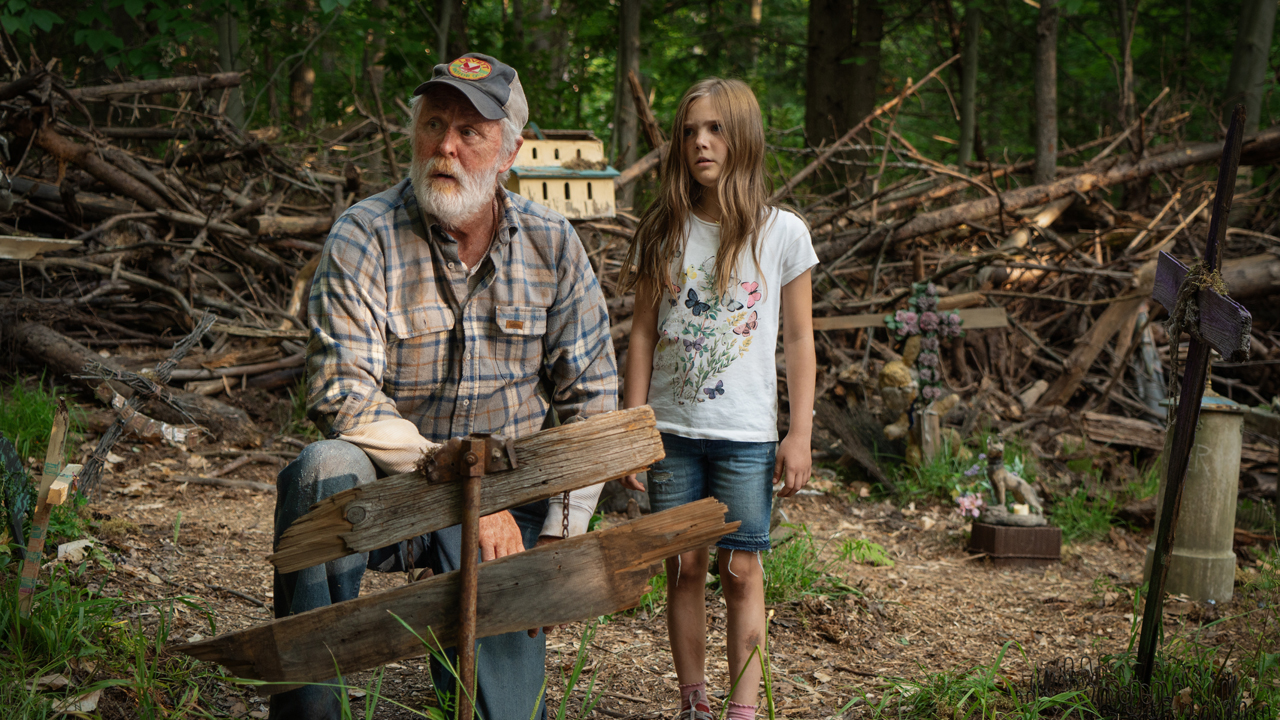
(1222, 324)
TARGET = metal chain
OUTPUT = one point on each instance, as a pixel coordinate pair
(565, 523)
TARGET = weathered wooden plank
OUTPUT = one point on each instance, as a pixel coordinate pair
(974, 319)
(582, 577)
(1131, 432)
(13, 247)
(1224, 323)
(1262, 421)
(403, 506)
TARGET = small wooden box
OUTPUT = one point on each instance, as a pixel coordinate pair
(1017, 546)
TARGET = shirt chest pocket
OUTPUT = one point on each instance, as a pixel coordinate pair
(518, 349)
(418, 350)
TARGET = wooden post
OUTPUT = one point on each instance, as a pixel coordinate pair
(471, 472)
(1223, 324)
(40, 525)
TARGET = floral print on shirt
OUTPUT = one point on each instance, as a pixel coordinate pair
(704, 334)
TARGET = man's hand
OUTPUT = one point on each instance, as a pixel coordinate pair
(793, 464)
(631, 482)
(545, 540)
(499, 536)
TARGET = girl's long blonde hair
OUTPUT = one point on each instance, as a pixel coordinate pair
(742, 189)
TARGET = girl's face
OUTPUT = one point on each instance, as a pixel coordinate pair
(705, 151)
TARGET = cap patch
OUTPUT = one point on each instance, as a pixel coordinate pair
(470, 68)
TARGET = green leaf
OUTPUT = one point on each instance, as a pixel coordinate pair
(44, 19)
(17, 5)
(328, 5)
(13, 25)
(135, 7)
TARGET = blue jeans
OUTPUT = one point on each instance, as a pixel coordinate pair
(738, 474)
(509, 669)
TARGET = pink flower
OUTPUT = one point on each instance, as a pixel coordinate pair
(928, 359)
(929, 321)
(931, 392)
(969, 504)
(929, 344)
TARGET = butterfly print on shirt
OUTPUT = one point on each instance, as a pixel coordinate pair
(696, 306)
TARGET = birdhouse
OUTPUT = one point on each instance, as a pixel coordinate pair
(565, 170)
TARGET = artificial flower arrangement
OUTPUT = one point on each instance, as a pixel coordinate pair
(923, 318)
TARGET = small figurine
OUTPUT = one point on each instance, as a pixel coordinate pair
(1028, 511)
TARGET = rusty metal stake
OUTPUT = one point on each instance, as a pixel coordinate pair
(470, 471)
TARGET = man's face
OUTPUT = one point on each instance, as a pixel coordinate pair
(456, 156)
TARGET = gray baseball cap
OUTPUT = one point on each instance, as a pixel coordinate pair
(491, 85)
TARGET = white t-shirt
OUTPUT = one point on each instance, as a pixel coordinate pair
(714, 374)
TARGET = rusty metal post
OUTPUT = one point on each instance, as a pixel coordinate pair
(471, 472)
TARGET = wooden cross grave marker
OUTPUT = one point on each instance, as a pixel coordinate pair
(1224, 325)
(55, 481)
(581, 577)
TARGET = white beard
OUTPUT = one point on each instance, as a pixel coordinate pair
(451, 205)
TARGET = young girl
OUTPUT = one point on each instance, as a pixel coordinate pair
(714, 266)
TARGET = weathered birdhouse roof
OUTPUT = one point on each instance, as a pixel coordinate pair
(562, 173)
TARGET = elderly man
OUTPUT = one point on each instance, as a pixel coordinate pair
(441, 307)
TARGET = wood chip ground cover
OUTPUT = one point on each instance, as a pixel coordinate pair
(937, 609)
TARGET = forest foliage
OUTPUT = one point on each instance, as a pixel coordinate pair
(565, 51)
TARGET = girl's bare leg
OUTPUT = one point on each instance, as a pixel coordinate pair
(744, 596)
(687, 614)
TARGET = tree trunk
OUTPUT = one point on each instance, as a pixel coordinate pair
(443, 21)
(455, 25)
(273, 100)
(969, 90)
(865, 80)
(1046, 93)
(625, 120)
(1127, 26)
(1249, 60)
(229, 60)
(1248, 78)
(372, 69)
(757, 15)
(302, 84)
(830, 94)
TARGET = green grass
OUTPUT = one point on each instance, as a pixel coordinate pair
(73, 627)
(864, 551)
(299, 423)
(1082, 518)
(26, 419)
(988, 691)
(1083, 515)
(794, 568)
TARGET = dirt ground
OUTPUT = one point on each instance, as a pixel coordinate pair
(936, 609)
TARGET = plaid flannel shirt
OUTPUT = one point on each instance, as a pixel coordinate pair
(397, 331)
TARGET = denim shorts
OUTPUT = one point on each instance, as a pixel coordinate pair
(738, 474)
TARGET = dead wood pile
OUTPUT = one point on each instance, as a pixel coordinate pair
(174, 212)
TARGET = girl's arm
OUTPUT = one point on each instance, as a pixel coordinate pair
(644, 338)
(795, 458)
